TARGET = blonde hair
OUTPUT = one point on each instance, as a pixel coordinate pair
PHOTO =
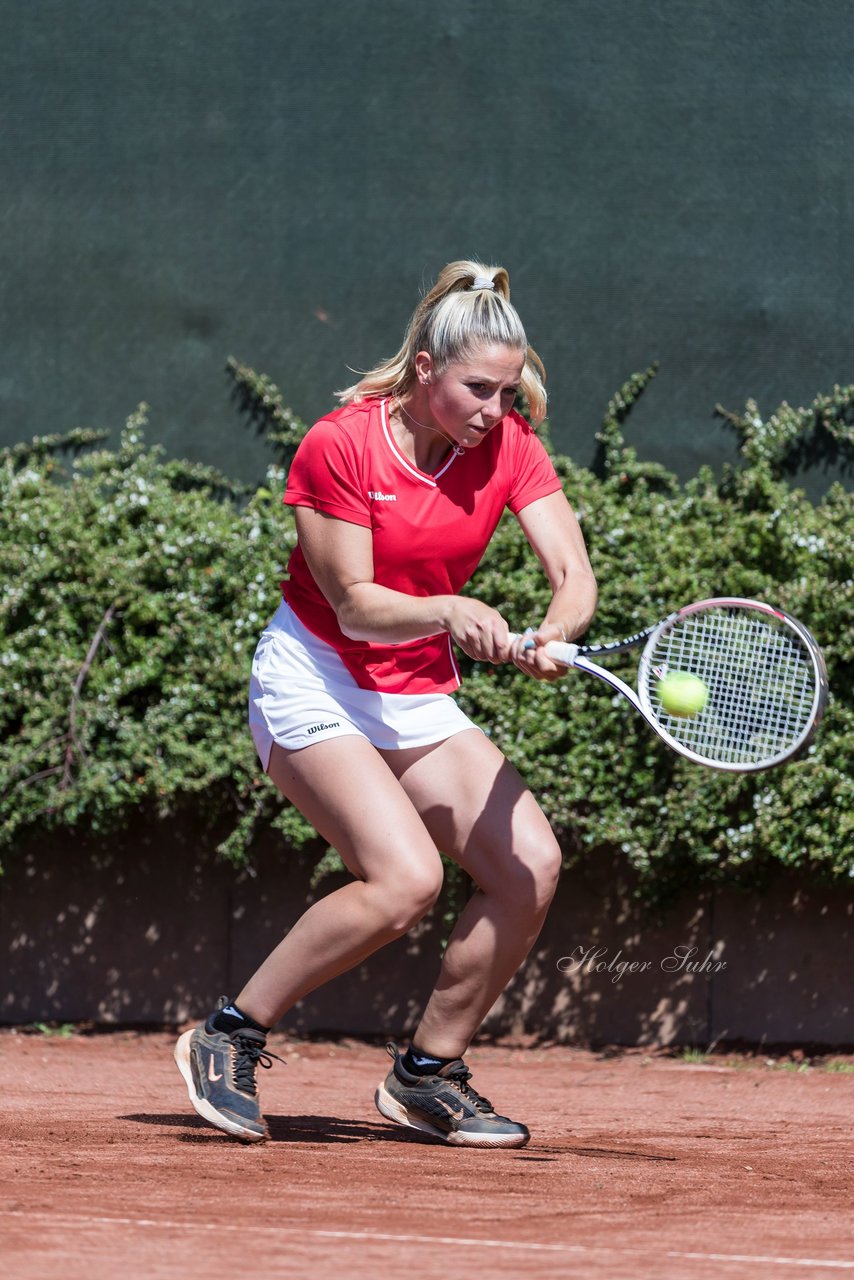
(468, 307)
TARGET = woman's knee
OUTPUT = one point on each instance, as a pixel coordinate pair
(409, 898)
(527, 875)
(549, 861)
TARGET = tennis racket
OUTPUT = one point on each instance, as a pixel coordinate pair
(764, 672)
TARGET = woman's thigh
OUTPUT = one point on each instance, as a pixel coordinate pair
(348, 793)
(479, 811)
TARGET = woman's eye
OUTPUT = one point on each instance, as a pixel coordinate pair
(482, 389)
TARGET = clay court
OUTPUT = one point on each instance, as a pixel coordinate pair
(639, 1165)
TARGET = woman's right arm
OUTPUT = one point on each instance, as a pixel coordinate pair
(340, 558)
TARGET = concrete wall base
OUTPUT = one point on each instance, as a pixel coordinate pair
(153, 933)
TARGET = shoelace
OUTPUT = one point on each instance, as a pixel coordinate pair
(460, 1077)
(248, 1055)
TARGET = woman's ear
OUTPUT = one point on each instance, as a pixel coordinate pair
(424, 368)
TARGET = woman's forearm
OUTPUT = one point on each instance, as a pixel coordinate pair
(369, 612)
(573, 604)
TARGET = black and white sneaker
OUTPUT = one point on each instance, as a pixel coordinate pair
(446, 1106)
(219, 1072)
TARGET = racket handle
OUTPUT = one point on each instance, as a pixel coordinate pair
(561, 652)
(557, 650)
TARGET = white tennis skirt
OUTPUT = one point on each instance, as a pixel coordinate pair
(300, 692)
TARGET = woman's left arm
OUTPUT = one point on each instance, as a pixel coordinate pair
(553, 531)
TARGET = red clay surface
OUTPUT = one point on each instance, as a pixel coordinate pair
(638, 1167)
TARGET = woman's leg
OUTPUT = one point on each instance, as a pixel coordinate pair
(350, 795)
(479, 812)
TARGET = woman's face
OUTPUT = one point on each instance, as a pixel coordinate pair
(471, 396)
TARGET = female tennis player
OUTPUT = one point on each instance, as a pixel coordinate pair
(396, 495)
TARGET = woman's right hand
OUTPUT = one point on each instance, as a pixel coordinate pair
(479, 630)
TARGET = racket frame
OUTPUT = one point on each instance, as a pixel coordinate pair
(581, 657)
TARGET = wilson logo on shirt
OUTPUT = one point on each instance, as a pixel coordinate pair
(375, 496)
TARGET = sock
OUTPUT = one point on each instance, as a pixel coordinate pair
(418, 1063)
(230, 1018)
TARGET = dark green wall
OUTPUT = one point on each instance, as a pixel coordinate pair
(276, 180)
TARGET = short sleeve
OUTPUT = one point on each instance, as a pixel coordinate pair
(325, 475)
(532, 473)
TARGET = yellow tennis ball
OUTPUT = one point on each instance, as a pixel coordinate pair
(682, 694)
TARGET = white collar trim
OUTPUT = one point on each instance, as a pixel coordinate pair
(401, 457)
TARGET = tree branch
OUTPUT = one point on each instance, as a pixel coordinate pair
(72, 741)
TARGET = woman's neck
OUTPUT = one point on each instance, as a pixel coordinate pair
(415, 434)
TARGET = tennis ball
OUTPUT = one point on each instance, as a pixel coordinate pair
(682, 694)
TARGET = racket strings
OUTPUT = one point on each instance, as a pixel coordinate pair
(760, 680)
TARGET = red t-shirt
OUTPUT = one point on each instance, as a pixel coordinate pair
(429, 531)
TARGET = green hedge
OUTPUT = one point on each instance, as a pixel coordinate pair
(134, 588)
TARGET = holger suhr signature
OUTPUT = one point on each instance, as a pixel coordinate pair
(682, 959)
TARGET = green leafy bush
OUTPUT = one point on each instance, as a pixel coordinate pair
(134, 588)
(133, 592)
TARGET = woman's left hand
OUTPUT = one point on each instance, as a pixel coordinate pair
(529, 655)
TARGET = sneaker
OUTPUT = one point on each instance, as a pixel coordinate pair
(219, 1072)
(445, 1106)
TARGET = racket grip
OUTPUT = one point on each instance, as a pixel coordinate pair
(560, 651)
(557, 650)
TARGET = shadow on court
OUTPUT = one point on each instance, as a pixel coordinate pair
(313, 1129)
